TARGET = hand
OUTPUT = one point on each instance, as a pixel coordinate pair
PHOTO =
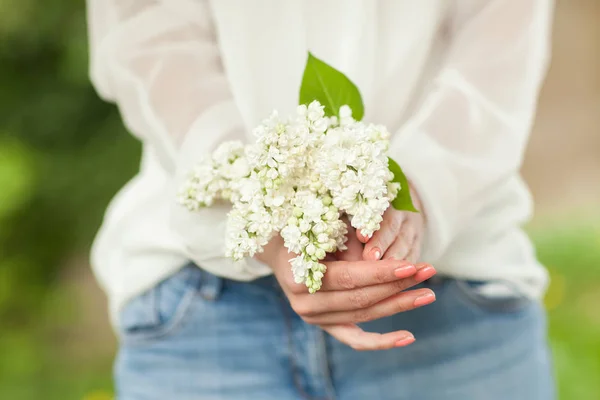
(399, 237)
(354, 246)
(354, 292)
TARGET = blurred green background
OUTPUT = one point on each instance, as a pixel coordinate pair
(64, 153)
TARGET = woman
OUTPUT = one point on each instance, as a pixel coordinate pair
(456, 83)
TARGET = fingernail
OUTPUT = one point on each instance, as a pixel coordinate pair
(426, 273)
(424, 300)
(405, 342)
(376, 253)
(404, 271)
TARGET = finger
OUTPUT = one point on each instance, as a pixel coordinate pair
(415, 252)
(330, 257)
(345, 275)
(354, 250)
(401, 302)
(385, 236)
(348, 300)
(360, 340)
(402, 244)
(362, 238)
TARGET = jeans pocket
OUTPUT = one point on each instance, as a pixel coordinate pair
(159, 311)
(504, 298)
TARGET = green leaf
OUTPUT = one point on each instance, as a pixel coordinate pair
(330, 87)
(403, 201)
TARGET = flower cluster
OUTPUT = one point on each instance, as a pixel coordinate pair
(299, 178)
(313, 229)
(211, 178)
(353, 165)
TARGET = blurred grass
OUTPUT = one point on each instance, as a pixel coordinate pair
(572, 253)
(34, 366)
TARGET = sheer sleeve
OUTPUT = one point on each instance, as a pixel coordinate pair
(470, 132)
(159, 61)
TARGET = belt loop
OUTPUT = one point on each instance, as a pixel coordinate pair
(210, 286)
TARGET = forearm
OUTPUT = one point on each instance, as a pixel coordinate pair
(470, 132)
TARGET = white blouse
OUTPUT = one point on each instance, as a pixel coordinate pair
(455, 81)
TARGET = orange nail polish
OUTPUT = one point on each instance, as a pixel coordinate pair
(426, 273)
(376, 253)
(424, 300)
(405, 341)
(404, 271)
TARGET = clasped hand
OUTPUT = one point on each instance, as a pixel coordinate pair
(362, 283)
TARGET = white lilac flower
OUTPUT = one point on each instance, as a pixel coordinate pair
(297, 179)
(195, 193)
(282, 146)
(249, 228)
(354, 167)
(345, 116)
(313, 230)
(210, 179)
(314, 115)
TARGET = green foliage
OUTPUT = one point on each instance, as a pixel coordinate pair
(16, 176)
(63, 152)
(403, 200)
(571, 251)
(330, 87)
(333, 89)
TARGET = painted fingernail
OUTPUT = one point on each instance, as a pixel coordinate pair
(404, 271)
(424, 300)
(427, 272)
(405, 342)
(376, 253)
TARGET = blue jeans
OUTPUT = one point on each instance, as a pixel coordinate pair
(197, 336)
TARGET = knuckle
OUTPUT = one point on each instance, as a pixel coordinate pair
(301, 308)
(288, 281)
(345, 279)
(384, 239)
(362, 316)
(403, 284)
(402, 305)
(381, 275)
(395, 224)
(360, 299)
(405, 236)
(298, 289)
(310, 320)
(416, 219)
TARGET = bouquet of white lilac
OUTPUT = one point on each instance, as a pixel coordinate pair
(302, 176)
